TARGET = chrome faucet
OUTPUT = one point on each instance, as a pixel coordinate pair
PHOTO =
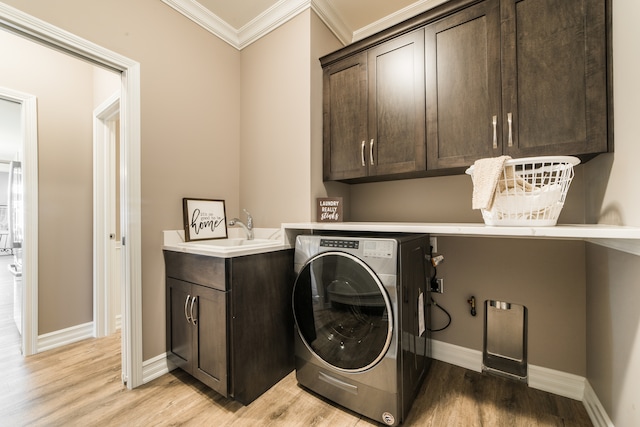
(248, 227)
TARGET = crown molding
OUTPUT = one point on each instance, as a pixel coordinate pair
(332, 20)
(270, 19)
(283, 11)
(206, 19)
(264, 23)
(395, 18)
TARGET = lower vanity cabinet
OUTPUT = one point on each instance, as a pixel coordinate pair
(195, 341)
(229, 320)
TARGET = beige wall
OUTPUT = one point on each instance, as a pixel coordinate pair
(613, 324)
(66, 98)
(274, 149)
(613, 200)
(282, 122)
(613, 277)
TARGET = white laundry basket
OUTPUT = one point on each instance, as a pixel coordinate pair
(531, 191)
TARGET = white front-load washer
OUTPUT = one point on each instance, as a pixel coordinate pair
(362, 320)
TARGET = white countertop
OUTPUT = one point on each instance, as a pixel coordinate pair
(561, 231)
(626, 239)
(173, 240)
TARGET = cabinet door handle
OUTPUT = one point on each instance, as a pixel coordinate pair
(362, 153)
(371, 152)
(186, 304)
(495, 132)
(193, 318)
(510, 120)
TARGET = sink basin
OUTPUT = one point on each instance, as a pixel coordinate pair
(231, 244)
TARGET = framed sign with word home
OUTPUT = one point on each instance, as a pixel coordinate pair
(204, 219)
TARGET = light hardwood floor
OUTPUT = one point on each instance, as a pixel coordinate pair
(79, 385)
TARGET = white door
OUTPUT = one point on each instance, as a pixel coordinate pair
(107, 284)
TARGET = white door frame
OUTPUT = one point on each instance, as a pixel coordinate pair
(30, 217)
(105, 260)
(26, 25)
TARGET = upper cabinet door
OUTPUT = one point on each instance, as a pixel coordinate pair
(345, 118)
(463, 87)
(396, 137)
(554, 77)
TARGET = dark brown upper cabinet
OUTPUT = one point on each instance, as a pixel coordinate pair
(374, 111)
(517, 77)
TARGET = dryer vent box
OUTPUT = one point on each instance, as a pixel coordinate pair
(505, 339)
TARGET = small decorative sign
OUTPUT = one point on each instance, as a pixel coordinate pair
(204, 219)
(329, 209)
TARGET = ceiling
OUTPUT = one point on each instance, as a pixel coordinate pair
(240, 23)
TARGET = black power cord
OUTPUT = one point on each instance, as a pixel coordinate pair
(433, 302)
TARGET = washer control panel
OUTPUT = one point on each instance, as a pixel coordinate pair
(378, 248)
(339, 243)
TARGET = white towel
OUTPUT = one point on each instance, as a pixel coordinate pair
(486, 173)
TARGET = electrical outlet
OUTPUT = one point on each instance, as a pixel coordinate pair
(438, 286)
(433, 241)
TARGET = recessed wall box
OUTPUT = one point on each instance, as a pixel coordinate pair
(505, 339)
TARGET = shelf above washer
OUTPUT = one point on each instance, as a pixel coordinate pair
(617, 237)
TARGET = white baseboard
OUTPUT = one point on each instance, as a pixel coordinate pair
(457, 355)
(557, 382)
(545, 379)
(63, 337)
(594, 408)
(156, 367)
(550, 380)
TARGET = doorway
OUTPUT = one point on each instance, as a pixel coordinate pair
(67, 164)
(22, 146)
(11, 148)
(20, 23)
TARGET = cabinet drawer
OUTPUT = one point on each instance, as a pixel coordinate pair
(203, 270)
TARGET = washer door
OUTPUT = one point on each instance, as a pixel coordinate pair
(342, 311)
